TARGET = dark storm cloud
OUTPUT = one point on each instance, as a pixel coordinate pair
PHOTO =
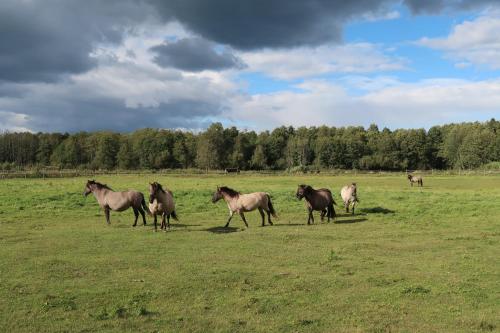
(42, 40)
(436, 6)
(74, 114)
(263, 23)
(194, 54)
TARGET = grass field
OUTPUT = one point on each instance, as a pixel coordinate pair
(411, 259)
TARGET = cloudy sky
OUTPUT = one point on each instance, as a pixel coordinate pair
(71, 65)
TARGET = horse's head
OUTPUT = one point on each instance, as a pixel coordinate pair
(89, 187)
(410, 177)
(301, 191)
(217, 195)
(154, 188)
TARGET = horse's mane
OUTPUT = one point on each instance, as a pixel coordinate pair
(229, 191)
(159, 187)
(99, 185)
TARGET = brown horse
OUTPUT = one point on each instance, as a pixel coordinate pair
(241, 203)
(349, 196)
(416, 179)
(320, 200)
(117, 201)
(161, 202)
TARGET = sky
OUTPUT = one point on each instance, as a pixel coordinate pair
(122, 65)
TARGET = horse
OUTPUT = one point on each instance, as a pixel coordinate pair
(231, 170)
(320, 200)
(241, 203)
(415, 179)
(161, 202)
(349, 196)
(117, 201)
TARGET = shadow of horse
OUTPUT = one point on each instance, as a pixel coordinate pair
(180, 225)
(377, 210)
(221, 230)
(288, 224)
(359, 220)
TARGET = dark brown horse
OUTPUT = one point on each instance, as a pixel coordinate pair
(320, 200)
(117, 201)
(415, 179)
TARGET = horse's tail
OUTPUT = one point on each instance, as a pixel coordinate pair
(174, 215)
(331, 210)
(144, 206)
(270, 206)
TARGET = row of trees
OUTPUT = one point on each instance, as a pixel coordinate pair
(466, 145)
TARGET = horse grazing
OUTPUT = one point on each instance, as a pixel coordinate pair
(415, 179)
(117, 201)
(349, 196)
(161, 202)
(321, 200)
(241, 203)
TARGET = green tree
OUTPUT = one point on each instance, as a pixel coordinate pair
(210, 147)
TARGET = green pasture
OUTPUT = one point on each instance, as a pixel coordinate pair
(410, 260)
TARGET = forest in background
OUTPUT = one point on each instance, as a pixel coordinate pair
(452, 146)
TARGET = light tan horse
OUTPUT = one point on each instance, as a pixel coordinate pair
(416, 179)
(349, 196)
(241, 203)
(117, 201)
(161, 202)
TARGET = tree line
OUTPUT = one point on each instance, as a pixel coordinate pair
(457, 146)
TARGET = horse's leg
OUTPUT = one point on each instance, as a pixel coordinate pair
(322, 215)
(229, 220)
(142, 214)
(106, 213)
(155, 219)
(168, 221)
(261, 211)
(346, 205)
(136, 213)
(269, 217)
(163, 223)
(311, 217)
(353, 205)
(244, 219)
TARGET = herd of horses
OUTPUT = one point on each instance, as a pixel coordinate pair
(161, 201)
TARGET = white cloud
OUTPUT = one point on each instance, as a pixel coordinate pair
(389, 15)
(13, 122)
(422, 104)
(309, 62)
(476, 42)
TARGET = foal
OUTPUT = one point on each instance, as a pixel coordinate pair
(349, 196)
(161, 202)
(118, 201)
(241, 203)
(321, 200)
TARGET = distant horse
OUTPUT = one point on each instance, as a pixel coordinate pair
(161, 202)
(241, 203)
(349, 196)
(117, 201)
(415, 179)
(231, 170)
(320, 200)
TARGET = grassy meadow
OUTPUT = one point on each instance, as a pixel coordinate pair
(410, 259)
